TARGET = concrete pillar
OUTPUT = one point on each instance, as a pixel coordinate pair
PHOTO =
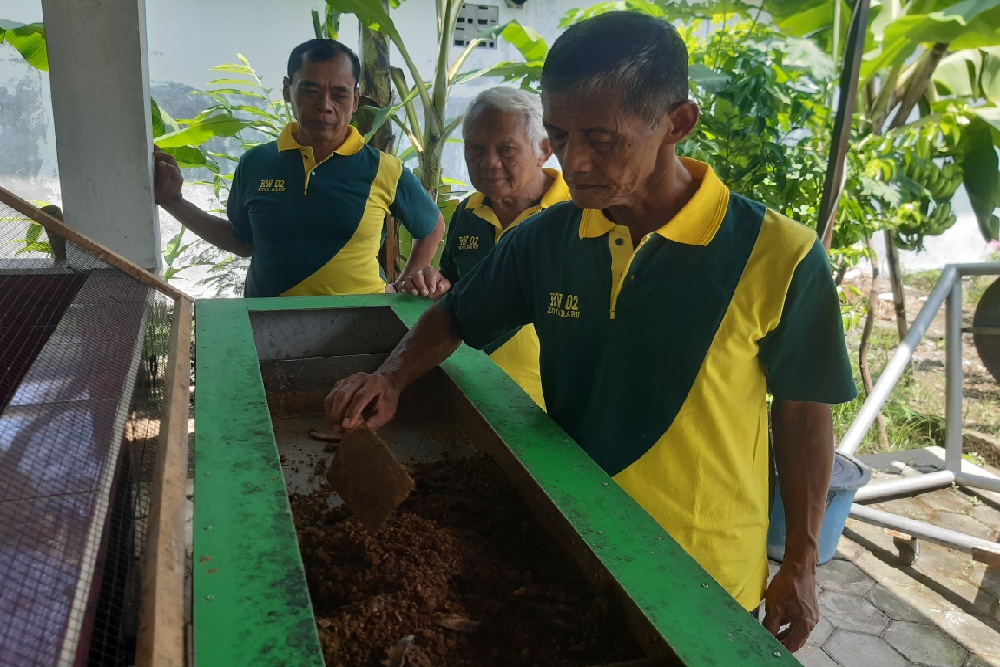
(100, 101)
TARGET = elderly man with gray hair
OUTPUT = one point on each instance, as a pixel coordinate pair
(505, 148)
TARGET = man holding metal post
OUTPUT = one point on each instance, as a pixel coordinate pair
(309, 208)
(667, 307)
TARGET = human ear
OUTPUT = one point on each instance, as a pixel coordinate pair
(286, 85)
(682, 119)
(546, 151)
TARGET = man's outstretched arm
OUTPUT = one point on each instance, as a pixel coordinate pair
(167, 192)
(373, 398)
(803, 452)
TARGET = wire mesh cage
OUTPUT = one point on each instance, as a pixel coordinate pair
(94, 371)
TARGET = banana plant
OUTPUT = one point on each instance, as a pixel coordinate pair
(924, 57)
(28, 39)
(429, 132)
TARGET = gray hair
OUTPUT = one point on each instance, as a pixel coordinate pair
(641, 57)
(512, 100)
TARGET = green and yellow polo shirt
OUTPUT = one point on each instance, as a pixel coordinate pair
(316, 227)
(473, 231)
(657, 359)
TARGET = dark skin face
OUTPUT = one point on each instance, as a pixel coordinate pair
(323, 96)
(615, 161)
(502, 163)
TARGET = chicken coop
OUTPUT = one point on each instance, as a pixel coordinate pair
(94, 377)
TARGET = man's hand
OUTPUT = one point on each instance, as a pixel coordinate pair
(790, 600)
(362, 398)
(427, 281)
(167, 178)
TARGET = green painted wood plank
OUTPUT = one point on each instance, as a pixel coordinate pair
(702, 624)
(251, 603)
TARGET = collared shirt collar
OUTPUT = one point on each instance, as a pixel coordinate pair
(695, 224)
(352, 144)
(557, 192)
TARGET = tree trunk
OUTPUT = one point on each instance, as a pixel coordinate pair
(916, 85)
(866, 334)
(896, 281)
(376, 85)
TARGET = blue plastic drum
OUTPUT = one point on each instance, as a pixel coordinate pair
(849, 475)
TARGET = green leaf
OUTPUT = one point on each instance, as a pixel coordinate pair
(710, 80)
(34, 231)
(964, 25)
(28, 40)
(384, 113)
(190, 157)
(370, 14)
(980, 170)
(528, 43)
(162, 122)
(201, 130)
(958, 73)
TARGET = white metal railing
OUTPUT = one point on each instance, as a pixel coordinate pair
(948, 292)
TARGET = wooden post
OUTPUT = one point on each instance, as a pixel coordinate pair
(161, 641)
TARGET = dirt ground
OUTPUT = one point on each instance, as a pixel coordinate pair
(461, 576)
(924, 394)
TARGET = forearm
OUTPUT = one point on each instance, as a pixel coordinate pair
(803, 453)
(215, 230)
(422, 251)
(425, 346)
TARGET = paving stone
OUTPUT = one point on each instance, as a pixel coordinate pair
(820, 633)
(936, 561)
(912, 507)
(872, 538)
(906, 604)
(976, 601)
(843, 577)
(982, 661)
(925, 645)
(848, 549)
(986, 513)
(948, 500)
(852, 613)
(854, 649)
(883, 572)
(813, 656)
(971, 633)
(963, 523)
(989, 581)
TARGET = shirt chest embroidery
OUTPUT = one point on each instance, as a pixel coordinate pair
(566, 306)
(468, 242)
(271, 185)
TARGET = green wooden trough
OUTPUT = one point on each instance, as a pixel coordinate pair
(263, 366)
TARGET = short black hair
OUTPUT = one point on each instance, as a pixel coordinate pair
(636, 54)
(322, 50)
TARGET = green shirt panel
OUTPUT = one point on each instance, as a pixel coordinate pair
(616, 385)
(295, 231)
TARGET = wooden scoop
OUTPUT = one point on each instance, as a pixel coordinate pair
(368, 477)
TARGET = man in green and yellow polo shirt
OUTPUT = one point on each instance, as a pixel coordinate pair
(667, 308)
(309, 208)
(505, 148)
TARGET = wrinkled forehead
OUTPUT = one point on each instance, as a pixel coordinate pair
(489, 124)
(567, 109)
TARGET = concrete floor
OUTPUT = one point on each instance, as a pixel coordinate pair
(942, 610)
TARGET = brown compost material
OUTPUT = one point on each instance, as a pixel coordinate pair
(463, 568)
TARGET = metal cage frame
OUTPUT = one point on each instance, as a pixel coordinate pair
(947, 292)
